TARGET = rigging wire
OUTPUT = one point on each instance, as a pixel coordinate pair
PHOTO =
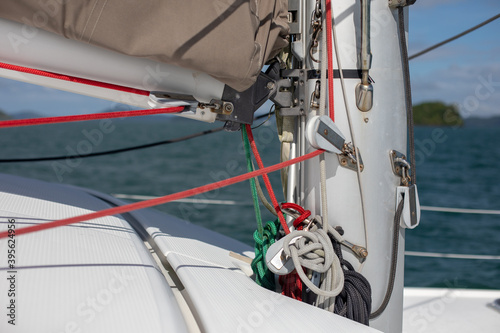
(353, 137)
(322, 108)
(115, 151)
(418, 54)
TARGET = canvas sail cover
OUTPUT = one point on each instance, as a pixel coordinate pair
(229, 39)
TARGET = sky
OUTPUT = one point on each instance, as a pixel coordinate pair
(465, 72)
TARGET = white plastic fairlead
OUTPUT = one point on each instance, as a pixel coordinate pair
(322, 133)
(410, 217)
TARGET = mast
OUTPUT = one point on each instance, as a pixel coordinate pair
(361, 194)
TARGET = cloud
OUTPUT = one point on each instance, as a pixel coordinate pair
(476, 89)
(427, 4)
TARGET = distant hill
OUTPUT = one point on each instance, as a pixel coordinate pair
(436, 114)
(4, 116)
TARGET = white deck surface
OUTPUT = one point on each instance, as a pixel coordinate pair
(433, 310)
(88, 277)
(98, 276)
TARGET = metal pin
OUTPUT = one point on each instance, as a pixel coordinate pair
(359, 251)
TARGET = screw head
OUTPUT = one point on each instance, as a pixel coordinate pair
(325, 132)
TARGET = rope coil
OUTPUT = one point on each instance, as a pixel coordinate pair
(313, 250)
(263, 276)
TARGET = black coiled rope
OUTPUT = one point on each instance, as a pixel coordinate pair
(355, 300)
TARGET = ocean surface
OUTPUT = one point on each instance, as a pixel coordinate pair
(457, 167)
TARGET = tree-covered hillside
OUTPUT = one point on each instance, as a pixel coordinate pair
(436, 114)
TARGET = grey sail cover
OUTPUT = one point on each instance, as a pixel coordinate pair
(229, 39)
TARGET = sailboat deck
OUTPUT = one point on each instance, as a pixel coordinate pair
(450, 310)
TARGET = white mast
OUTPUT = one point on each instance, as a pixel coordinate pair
(362, 204)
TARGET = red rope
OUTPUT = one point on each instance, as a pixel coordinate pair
(73, 79)
(266, 180)
(304, 214)
(291, 283)
(164, 199)
(92, 116)
(330, 58)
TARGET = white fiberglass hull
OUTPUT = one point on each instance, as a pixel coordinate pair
(141, 272)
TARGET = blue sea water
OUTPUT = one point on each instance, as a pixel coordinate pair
(457, 167)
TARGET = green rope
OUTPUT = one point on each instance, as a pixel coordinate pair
(263, 236)
(253, 187)
(263, 276)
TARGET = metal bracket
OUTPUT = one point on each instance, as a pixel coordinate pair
(236, 108)
(294, 19)
(400, 166)
(218, 106)
(398, 160)
(400, 3)
(349, 158)
(161, 99)
(291, 93)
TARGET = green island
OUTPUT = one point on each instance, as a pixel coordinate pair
(436, 114)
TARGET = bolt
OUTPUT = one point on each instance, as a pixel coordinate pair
(343, 161)
(228, 108)
(325, 132)
(270, 85)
